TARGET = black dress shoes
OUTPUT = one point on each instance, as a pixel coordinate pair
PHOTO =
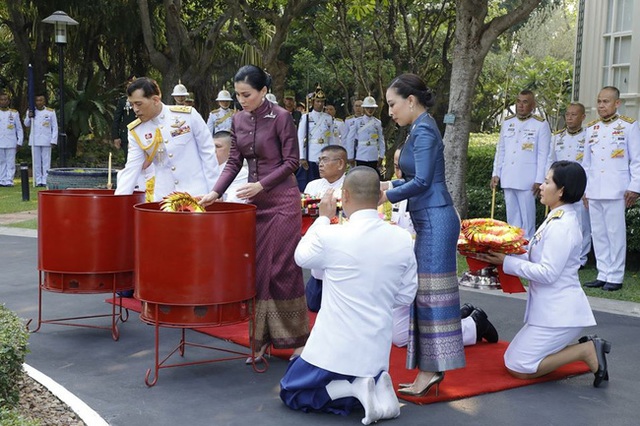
(602, 347)
(611, 287)
(595, 284)
(466, 309)
(484, 329)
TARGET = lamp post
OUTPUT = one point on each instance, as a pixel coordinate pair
(61, 20)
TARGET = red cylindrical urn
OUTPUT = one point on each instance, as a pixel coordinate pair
(195, 268)
(85, 240)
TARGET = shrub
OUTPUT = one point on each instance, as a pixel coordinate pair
(13, 349)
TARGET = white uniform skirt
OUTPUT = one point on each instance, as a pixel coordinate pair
(533, 343)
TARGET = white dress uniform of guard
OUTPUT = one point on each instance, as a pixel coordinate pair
(357, 113)
(320, 134)
(568, 144)
(365, 141)
(520, 162)
(220, 118)
(43, 136)
(612, 163)
(175, 139)
(11, 137)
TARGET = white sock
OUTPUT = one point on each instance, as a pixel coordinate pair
(386, 397)
(363, 389)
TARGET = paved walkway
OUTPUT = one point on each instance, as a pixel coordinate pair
(9, 218)
(109, 376)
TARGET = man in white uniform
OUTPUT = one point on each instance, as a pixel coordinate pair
(174, 138)
(222, 141)
(314, 132)
(612, 163)
(220, 119)
(11, 137)
(340, 130)
(332, 165)
(365, 141)
(43, 136)
(568, 144)
(369, 266)
(520, 162)
(180, 93)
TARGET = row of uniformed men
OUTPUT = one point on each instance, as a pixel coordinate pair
(43, 136)
(609, 150)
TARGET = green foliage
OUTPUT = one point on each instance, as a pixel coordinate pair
(11, 417)
(13, 350)
(633, 229)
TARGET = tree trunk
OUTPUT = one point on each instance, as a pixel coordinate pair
(473, 37)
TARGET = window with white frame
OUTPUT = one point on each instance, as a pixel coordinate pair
(617, 44)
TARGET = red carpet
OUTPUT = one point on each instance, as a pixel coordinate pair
(484, 373)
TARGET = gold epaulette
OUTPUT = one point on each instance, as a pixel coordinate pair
(12, 110)
(627, 119)
(133, 124)
(214, 111)
(509, 117)
(49, 109)
(181, 108)
(591, 123)
(559, 131)
(557, 214)
(349, 117)
(537, 117)
(339, 119)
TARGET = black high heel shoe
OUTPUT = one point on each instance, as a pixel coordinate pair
(435, 380)
(602, 347)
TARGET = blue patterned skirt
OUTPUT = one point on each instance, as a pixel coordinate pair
(435, 333)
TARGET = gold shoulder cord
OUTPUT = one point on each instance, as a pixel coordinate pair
(155, 143)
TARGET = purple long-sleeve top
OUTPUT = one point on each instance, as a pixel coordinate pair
(267, 139)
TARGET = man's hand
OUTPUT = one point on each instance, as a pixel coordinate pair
(304, 164)
(630, 198)
(535, 188)
(117, 143)
(585, 202)
(208, 199)
(383, 197)
(495, 180)
(249, 190)
(32, 114)
(328, 204)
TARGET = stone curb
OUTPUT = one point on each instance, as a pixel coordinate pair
(82, 410)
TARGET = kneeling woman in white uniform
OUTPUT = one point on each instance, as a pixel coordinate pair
(557, 308)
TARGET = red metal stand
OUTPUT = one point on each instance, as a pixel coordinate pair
(151, 377)
(116, 315)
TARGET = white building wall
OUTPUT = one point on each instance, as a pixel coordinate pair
(591, 72)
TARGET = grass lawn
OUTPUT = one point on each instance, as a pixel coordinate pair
(11, 198)
(11, 202)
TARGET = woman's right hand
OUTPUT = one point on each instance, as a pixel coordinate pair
(208, 199)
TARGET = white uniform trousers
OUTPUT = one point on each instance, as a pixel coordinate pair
(401, 328)
(609, 235)
(521, 210)
(7, 165)
(585, 225)
(41, 163)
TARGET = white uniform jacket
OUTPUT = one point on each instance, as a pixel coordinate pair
(522, 151)
(316, 188)
(45, 130)
(367, 132)
(220, 119)
(340, 132)
(369, 267)
(567, 146)
(184, 156)
(10, 129)
(320, 134)
(555, 297)
(612, 158)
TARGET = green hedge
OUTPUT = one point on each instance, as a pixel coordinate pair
(13, 350)
(482, 148)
